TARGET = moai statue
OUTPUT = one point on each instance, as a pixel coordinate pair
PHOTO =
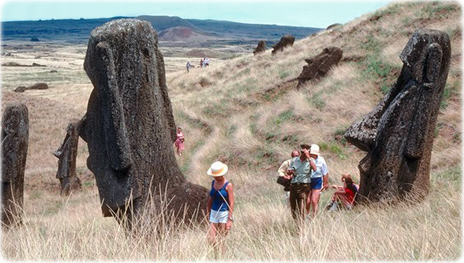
(319, 65)
(129, 127)
(261, 48)
(285, 41)
(67, 154)
(398, 134)
(15, 136)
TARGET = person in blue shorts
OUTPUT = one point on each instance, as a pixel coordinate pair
(319, 180)
(220, 203)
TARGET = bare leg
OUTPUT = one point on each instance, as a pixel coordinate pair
(315, 195)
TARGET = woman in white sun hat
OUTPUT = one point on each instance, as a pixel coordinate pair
(319, 179)
(220, 202)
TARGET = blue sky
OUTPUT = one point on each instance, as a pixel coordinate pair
(307, 13)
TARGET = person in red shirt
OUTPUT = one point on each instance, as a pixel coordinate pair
(344, 195)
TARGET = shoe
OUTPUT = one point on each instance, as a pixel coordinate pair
(329, 205)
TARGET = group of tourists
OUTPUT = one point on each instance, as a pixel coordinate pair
(304, 176)
(204, 62)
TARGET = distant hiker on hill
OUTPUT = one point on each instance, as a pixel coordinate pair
(188, 65)
(201, 63)
(300, 169)
(344, 194)
(220, 204)
(319, 179)
(283, 171)
(179, 143)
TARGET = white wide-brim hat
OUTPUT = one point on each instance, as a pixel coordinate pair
(315, 149)
(217, 169)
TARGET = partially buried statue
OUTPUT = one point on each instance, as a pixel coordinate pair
(15, 141)
(66, 155)
(130, 128)
(398, 134)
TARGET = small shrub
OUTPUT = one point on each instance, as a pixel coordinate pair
(284, 74)
(284, 116)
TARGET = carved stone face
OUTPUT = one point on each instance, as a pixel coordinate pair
(398, 133)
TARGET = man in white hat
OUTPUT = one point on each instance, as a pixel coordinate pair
(319, 179)
(220, 203)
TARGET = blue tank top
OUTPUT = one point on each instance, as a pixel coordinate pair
(219, 202)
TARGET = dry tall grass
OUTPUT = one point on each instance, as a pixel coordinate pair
(247, 113)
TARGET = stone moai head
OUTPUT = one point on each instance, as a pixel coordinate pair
(15, 141)
(398, 134)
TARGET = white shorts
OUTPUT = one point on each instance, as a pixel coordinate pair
(218, 216)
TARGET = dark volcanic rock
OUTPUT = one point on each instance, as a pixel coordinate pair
(319, 65)
(398, 134)
(35, 86)
(260, 48)
(284, 42)
(66, 155)
(129, 124)
(15, 136)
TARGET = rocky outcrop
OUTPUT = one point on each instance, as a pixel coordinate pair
(398, 134)
(319, 65)
(15, 136)
(67, 154)
(35, 86)
(130, 128)
(285, 41)
(260, 48)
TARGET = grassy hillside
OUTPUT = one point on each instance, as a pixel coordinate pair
(247, 113)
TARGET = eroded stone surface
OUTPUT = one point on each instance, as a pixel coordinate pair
(129, 124)
(319, 65)
(15, 137)
(398, 134)
(285, 41)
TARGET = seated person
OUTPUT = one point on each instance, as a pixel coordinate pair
(345, 194)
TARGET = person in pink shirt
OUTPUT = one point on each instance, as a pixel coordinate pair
(179, 143)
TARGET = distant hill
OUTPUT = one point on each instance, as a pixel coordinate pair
(170, 29)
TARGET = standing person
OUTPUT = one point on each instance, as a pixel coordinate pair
(319, 180)
(188, 66)
(179, 143)
(220, 203)
(283, 171)
(300, 169)
(201, 63)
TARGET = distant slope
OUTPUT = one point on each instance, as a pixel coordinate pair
(78, 30)
(251, 31)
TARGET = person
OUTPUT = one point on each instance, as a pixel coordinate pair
(344, 176)
(201, 63)
(319, 180)
(344, 194)
(283, 170)
(179, 143)
(188, 66)
(300, 169)
(220, 203)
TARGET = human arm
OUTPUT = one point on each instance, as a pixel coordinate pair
(325, 182)
(283, 169)
(230, 194)
(210, 204)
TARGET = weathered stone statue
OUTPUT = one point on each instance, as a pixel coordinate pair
(319, 65)
(15, 136)
(67, 154)
(130, 128)
(284, 42)
(398, 133)
(260, 48)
